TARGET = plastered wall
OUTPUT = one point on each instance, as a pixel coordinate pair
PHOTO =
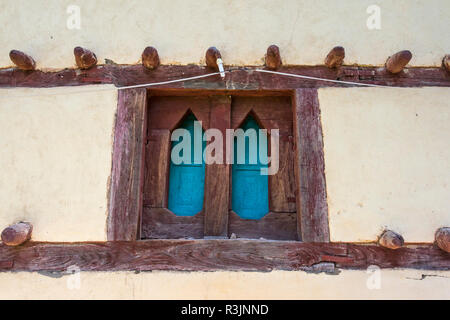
(55, 160)
(348, 284)
(387, 161)
(305, 30)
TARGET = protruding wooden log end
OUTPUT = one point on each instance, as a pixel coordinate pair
(212, 54)
(17, 234)
(442, 237)
(335, 58)
(390, 239)
(446, 62)
(273, 58)
(150, 58)
(84, 58)
(22, 60)
(398, 61)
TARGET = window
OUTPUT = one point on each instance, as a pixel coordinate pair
(186, 180)
(250, 189)
(217, 200)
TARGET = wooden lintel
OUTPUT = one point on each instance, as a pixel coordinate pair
(211, 255)
(238, 79)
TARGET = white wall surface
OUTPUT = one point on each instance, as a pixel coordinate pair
(387, 161)
(305, 30)
(55, 160)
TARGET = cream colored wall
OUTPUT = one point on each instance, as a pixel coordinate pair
(349, 284)
(56, 160)
(182, 30)
(387, 161)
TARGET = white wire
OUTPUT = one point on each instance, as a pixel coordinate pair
(322, 79)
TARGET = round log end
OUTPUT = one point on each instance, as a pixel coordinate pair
(84, 58)
(446, 62)
(442, 237)
(22, 60)
(212, 54)
(17, 234)
(335, 58)
(390, 239)
(150, 58)
(397, 62)
(273, 58)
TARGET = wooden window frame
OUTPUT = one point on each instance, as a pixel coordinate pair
(126, 187)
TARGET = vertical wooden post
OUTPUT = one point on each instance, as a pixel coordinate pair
(125, 199)
(217, 182)
(312, 208)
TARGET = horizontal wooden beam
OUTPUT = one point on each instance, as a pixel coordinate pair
(210, 255)
(238, 79)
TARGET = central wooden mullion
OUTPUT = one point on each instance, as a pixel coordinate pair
(217, 182)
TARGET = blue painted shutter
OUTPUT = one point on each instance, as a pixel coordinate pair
(187, 181)
(250, 189)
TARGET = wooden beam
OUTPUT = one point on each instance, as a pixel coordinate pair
(125, 198)
(217, 181)
(150, 58)
(397, 62)
(22, 60)
(17, 233)
(84, 58)
(335, 57)
(273, 58)
(211, 255)
(238, 79)
(312, 208)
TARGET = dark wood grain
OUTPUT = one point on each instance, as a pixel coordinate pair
(217, 180)
(160, 223)
(309, 168)
(125, 198)
(273, 226)
(157, 159)
(238, 79)
(211, 255)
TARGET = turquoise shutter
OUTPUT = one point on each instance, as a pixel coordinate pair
(250, 189)
(187, 181)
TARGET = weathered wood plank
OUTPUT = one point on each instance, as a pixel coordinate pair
(282, 188)
(312, 205)
(217, 181)
(238, 79)
(273, 226)
(125, 194)
(210, 255)
(156, 181)
(160, 223)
